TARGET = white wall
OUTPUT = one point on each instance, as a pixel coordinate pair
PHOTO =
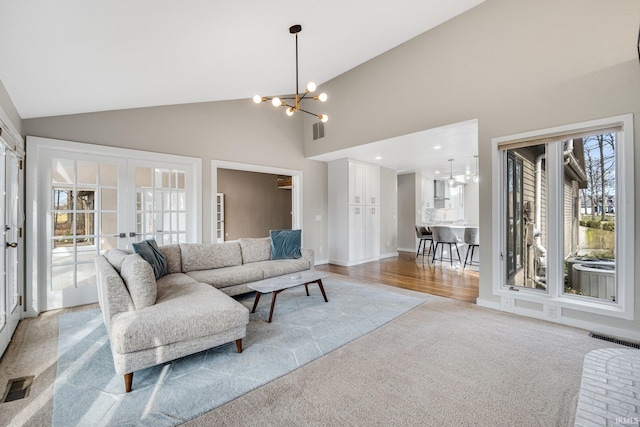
(471, 203)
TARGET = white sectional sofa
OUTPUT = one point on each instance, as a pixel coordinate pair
(189, 309)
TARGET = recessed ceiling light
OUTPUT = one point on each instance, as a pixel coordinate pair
(437, 147)
(437, 172)
(378, 157)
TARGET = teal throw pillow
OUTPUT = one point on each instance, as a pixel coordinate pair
(149, 251)
(285, 244)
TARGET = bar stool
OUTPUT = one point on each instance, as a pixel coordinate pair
(424, 234)
(445, 236)
(471, 238)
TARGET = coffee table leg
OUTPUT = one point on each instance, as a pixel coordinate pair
(255, 303)
(273, 304)
(306, 287)
(319, 282)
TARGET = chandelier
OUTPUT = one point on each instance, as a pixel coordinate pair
(292, 103)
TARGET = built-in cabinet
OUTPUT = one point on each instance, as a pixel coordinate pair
(354, 212)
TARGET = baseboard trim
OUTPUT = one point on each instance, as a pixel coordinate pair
(567, 321)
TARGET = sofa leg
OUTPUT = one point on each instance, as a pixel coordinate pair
(128, 380)
(239, 345)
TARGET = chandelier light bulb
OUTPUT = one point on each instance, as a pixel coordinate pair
(290, 111)
(322, 97)
(323, 118)
(311, 87)
(257, 99)
(276, 102)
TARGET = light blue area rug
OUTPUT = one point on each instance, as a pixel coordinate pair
(88, 392)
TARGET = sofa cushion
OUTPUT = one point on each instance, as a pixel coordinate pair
(205, 256)
(254, 250)
(148, 250)
(228, 276)
(140, 280)
(281, 267)
(174, 258)
(181, 313)
(285, 244)
(174, 279)
(116, 258)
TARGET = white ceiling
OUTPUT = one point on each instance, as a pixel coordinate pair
(75, 56)
(426, 152)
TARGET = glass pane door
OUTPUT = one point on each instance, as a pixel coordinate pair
(11, 220)
(161, 204)
(85, 216)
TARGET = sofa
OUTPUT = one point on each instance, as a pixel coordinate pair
(152, 320)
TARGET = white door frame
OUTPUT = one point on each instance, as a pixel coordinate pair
(296, 190)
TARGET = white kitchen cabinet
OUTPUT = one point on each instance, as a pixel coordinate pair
(354, 212)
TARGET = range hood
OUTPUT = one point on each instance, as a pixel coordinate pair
(439, 194)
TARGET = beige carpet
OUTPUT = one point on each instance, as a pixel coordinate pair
(443, 363)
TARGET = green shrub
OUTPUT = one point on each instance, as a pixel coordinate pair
(583, 223)
(593, 224)
(609, 226)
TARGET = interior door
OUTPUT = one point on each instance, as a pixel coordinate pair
(11, 218)
(86, 216)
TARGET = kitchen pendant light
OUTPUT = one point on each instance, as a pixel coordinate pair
(476, 177)
(451, 180)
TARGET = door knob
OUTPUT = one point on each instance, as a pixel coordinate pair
(12, 245)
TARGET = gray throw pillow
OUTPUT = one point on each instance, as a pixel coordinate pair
(148, 250)
(285, 244)
(140, 280)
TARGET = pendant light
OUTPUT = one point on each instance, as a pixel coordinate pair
(476, 177)
(292, 104)
(451, 180)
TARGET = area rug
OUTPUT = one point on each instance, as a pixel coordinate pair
(87, 391)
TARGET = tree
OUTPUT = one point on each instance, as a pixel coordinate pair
(599, 152)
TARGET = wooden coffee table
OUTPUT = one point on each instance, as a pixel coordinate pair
(277, 284)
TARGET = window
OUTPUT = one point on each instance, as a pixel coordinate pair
(566, 222)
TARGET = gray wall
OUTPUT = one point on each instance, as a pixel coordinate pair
(407, 205)
(235, 131)
(253, 203)
(9, 109)
(516, 66)
(388, 212)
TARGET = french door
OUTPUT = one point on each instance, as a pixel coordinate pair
(11, 218)
(90, 199)
(84, 218)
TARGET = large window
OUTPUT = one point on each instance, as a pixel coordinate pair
(566, 222)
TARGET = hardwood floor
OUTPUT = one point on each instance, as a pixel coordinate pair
(405, 271)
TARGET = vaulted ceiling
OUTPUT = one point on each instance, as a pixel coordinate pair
(76, 56)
